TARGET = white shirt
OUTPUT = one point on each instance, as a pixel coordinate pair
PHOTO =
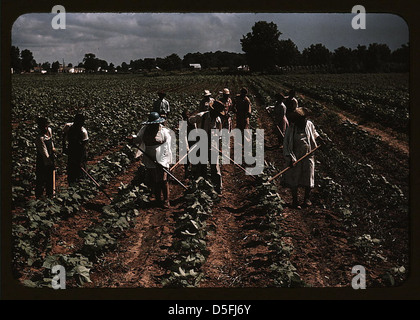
(161, 152)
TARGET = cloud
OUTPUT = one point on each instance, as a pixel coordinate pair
(118, 37)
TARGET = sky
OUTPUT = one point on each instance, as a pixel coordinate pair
(121, 37)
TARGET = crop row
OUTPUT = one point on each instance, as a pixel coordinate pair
(269, 208)
(341, 174)
(32, 229)
(190, 245)
(383, 102)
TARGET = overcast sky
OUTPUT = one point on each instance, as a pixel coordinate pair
(118, 37)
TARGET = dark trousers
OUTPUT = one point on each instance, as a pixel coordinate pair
(215, 173)
(44, 180)
(74, 172)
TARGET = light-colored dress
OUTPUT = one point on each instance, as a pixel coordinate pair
(280, 116)
(297, 143)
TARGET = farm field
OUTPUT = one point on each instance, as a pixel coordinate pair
(248, 237)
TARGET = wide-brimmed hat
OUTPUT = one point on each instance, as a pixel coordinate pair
(226, 91)
(244, 90)
(207, 93)
(154, 118)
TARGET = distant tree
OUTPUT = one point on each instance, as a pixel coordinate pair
(161, 63)
(149, 63)
(212, 60)
(102, 64)
(261, 46)
(70, 65)
(55, 66)
(28, 61)
(190, 58)
(237, 59)
(401, 57)
(172, 62)
(378, 57)
(46, 66)
(344, 59)
(90, 62)
(16, 61)
(316, 54)
(361, 58)
(111, 67)
(287, 53)
(124, 67)
(136, 64)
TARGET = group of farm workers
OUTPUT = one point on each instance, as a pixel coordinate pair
(74, 141)
(154, 139)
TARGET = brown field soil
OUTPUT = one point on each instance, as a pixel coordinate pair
(237, 241)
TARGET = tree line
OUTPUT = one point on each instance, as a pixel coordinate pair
(263, 49)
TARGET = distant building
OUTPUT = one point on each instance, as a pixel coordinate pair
(37, 69)
(78, 70)
(243, 68)
(195, 66)
(64, 69)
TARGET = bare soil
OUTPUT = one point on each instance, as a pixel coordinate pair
(239, 255)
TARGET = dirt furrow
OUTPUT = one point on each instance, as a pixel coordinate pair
(387, 135)
(229, 263)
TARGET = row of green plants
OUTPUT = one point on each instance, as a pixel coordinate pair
(114, 108)
(383, 99)
(99, 100)
(270, 207)
(363, 210)
(189, 245)
(98, 239)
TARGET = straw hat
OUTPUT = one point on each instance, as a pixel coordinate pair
(226, 91)
(207, 93)
(301, 112)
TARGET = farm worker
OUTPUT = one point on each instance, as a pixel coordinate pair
(242, 108)
(299, 140)
(280, 113)
(155, 139)
(206, 101)
(161, 105)
(185, 116)
(291, 102)
(207, 121)
(75, 139)
(44, 159)
(227, 102)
